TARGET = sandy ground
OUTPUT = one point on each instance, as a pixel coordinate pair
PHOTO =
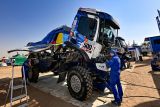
(37, 98)
(142, 88)
(48, 83)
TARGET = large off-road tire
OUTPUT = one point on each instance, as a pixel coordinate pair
(33, 75)
(79, 83)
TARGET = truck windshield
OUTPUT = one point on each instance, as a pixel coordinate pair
(107, 32)
(87, 27)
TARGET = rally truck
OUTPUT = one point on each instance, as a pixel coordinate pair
(77, 54)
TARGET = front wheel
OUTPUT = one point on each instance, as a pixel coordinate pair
(79, 83)
(33, 75)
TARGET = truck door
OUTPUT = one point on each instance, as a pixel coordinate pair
(87, 33)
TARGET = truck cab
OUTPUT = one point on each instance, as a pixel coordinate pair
(78, 53)
(93, 30)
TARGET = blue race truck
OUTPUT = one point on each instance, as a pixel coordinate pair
(78, 53)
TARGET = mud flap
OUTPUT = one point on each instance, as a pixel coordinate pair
(62, 77)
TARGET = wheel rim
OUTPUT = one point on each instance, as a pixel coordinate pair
(75, 83)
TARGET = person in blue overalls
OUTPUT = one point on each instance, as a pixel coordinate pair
(27, 66)
(114, 82)
(26, 69)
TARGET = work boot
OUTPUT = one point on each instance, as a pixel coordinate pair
(107, 91)
(116, 103)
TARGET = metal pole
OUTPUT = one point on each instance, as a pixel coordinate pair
(12, 83)
(7, 94)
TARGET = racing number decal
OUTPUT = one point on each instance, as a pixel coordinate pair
(87, 47)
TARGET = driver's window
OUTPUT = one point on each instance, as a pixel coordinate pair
(87, 27)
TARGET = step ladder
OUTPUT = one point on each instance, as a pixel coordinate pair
(12, 88)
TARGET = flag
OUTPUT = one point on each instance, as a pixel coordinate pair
(158, 13)
(158, 22)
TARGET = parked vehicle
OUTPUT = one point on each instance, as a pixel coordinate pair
(145, 48)
(155, 49)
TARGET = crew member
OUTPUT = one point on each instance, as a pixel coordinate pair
(114, 82)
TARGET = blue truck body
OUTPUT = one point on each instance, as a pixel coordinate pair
(154, 43)
(155, 49)
(77, 47)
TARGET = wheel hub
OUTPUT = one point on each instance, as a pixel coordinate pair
(75, 83)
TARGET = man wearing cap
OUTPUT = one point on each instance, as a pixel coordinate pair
(114, 82)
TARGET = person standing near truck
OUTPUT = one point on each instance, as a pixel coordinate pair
(26, 67)
(114, 83)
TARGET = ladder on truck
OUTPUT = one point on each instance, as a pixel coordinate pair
(22, 87)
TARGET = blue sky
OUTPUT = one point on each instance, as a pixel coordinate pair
(23, 21)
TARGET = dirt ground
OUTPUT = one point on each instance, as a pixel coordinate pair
(142, 88)
(37, 98)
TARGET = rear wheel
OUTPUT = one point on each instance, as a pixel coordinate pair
(79, 83)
